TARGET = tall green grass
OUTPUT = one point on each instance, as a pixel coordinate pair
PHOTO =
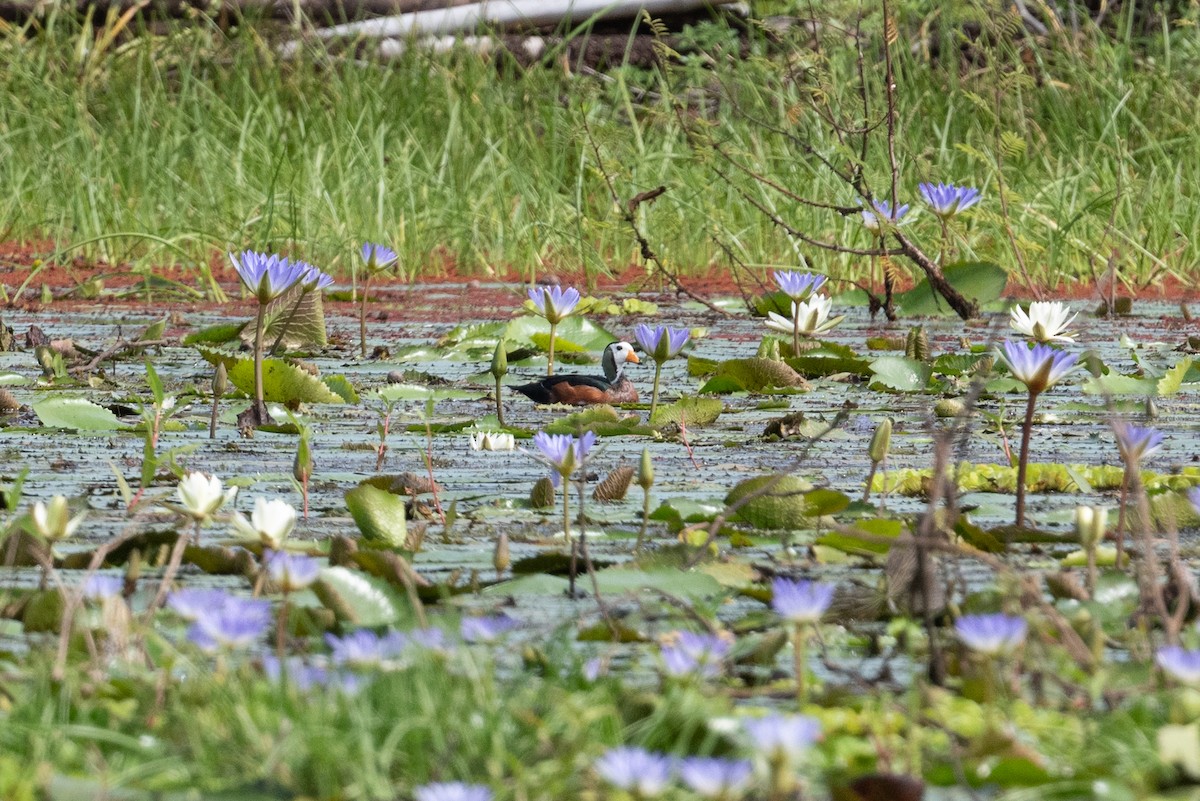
(175, 147)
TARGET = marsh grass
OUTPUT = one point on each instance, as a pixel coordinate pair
(173, 148)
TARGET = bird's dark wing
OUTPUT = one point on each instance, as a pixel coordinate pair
(565, 389)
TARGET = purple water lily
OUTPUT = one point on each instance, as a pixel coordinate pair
(267, 276)
(991, 635)
(800, 601)
(1039, 366)
(635, 770)
(487, 628)
(1179, 663)
(291, 571)
(378, 257)
(948, 200)
(686, 653)
(364, 648)
(452, 791)
(713, 777)
(553, 302)
(232, 624)
(797, 285)
(882, 210)
(191, 602)
(783, 735)
(661, 343)
(563, 453)
(99, 586)
(1136, 442)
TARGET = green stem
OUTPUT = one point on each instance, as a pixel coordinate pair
(645, 519)
(362, 318)
(499, 403)
(567, 530)
(1023, 459)
(550, 358)
(796, 333)
(1120, 533)
(258, 354)
(281, 629)
(654, 398)
(800, 663)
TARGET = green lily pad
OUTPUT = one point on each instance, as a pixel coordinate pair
(755, 374)
(379, 515)
(577, 332)
(355, 597)
(219, 334)
(869, 545)
(282, 382)
(900, 373)
(12, 380)
(980, 281)
(693, 412)
(603, 420)
(79, 414)
(783, 506)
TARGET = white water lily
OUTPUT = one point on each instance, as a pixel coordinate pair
(269, 523)
(1046, 321)
(201, 495)
(54, 522)
(808, 318)
(492, 441)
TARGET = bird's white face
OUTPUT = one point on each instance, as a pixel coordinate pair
(623, 352)
(615, 357)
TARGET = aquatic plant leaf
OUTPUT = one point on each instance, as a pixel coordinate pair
(846, 541)
(721, 385)
(579, 332)
(416, 392)
(298, 315)
(698, 366)
(79, 414)
(1117, 384)
(12, 380)
(692, 412)
(900, 373)
(816, 364)
(355, 598)
(1172, 380)
(603, 419)
(782, 506)
(282, 382)
(218, 334)
(980, 281)
(379, 515)
(755, 374)
(341, 386)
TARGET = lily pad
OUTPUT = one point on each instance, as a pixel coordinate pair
(379, 515)
(755, 374)
(79, 414)
(772, 502)
(900, 373)
(282, 382)
(980, 281)
(693, 412)
(355, 598)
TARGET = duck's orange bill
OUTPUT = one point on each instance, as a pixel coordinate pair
(633, 357)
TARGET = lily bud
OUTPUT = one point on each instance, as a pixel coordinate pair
(500, 557)
(220, 380)
(302, 465)
(645, 478)
(1090, 524)
(881, 441)
(499, 361)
